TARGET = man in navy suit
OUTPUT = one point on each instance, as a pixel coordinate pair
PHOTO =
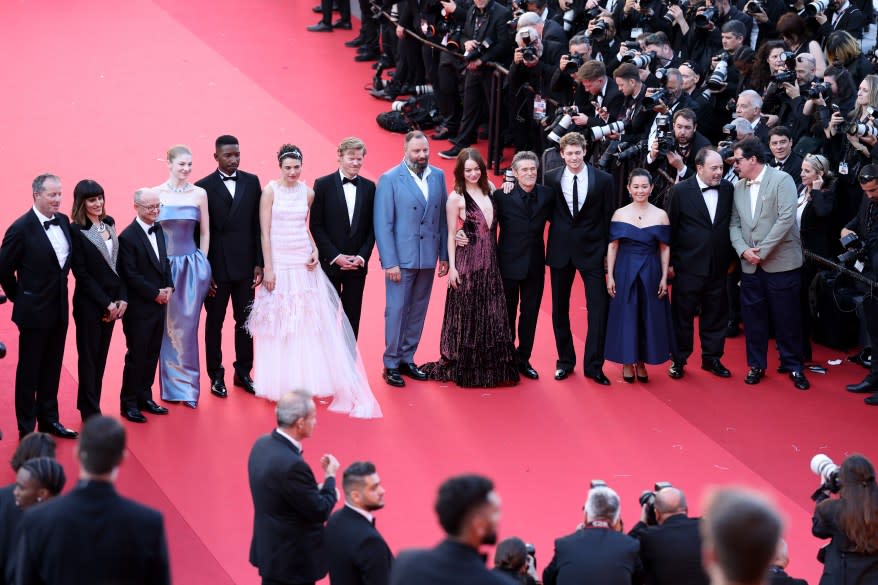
(411, 233)
(357, 552)
(92, 534)
(469, 511)
(289, 508)
(34, 264)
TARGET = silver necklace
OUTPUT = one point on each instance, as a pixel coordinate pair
(101, 227)
(185, 187)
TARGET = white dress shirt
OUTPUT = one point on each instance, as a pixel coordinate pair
(350, 199)
(56, 238)
(230, 185)
(711, 198)
(754, 191)
(295, 443)
(150, 236)
(567, 179)
(421, 182)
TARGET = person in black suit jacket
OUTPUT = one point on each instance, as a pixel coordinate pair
(780, 142)
(776, 572)
(596, 552)
(144, 267)
(468, 510)
(100, 297)
(679, 162)
(341, 223)
(700, 209)
(357, 552)
(92, 534)
(235, 257)
(35, 260)
(578, 242)
(671, 550)
(521, 251)
(289, 508)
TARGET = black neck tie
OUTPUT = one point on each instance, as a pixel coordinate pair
(234, 178)
(50, 222)
(355, 181)
(575, 194)
(153, 228)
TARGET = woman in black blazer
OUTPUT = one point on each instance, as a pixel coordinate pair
(100, 297)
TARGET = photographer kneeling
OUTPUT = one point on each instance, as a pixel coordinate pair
(851, 521)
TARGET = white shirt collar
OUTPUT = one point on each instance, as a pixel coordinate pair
(361, 512)
(222, 174)
(342, 176)
(702, 185)
(761, 175)
(295, 443)
(42, 217)
(427, 171)
(143, 224)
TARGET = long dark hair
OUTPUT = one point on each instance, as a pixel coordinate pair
(459, 179)
(761, 73)
(84, 190)
(858, 517)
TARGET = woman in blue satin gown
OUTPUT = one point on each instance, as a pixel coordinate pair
(184, 210)
(639, 328)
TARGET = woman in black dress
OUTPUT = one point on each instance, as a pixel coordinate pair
(100, 297)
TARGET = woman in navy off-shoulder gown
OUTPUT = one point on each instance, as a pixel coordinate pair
(639, 327)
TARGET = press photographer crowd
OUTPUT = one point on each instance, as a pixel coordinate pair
(754, 122)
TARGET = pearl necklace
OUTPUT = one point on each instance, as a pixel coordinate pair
(173, 189)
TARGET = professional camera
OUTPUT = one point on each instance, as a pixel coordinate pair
(782, 77)
(651, 101)
(754, 7)
(601, 132)
(529, 54)
(599, 32)
(639, 61)
(818, 90)
(860, 129)
(683, 4)
(631, 152)
(613, 149)
(477, 52)
(647, 498)
(717, 79)
(664, 134)
(574, 62)
(817, 7)
(822, 466)
(562, 123)
(726, 149)
(406, 106)
(631, 45)
(853, 248)
(531, 556)
(661, 74)
(703, 19)
(731, 131)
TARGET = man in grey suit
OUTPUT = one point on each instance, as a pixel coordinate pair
(411, 234)
(765, 235)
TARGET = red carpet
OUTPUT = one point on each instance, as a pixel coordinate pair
(101, 89)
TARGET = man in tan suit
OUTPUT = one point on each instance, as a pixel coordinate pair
(765, 235)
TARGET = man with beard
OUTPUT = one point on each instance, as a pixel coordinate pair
(678, 162)
(357, 552)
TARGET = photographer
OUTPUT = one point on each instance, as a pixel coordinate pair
(843, 50)
(512, 559)
(565, 89)
(605, 99)
(851, 521)
(793, 30)
(671, 157)
(529, 84)
(705, 36)
(645, 15)
(865, 226)
(671, 550)
(749, 107)
(844, 16)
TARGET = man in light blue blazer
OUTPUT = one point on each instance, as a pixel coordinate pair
(411, 233)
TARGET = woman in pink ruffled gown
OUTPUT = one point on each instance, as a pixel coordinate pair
(302, 338)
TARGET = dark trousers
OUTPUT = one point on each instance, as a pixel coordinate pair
(528, 292)
(344, 10)
(241, 294)
(40, 353)
(734, 294)
(368, 26)
(774, 297)
(689, 292)
(597, 303)
(349, 284)
(448, 91)
(92, 344)
(143, 339)
(476, 97)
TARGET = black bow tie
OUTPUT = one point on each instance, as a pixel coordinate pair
(355, 181)
(777, 164)
(232, 178)
(50, 222)
(153, 229)
(706, 189)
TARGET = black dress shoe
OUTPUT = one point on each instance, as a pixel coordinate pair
(342, 24)
(218, 388)
(599, 377)
(412, 371)
(799, 380)
(355, 42)
(367, 56)
(528, 371)
(244, 381)
(715, 367)
(320, 27)
(152, 408)
(561, 373)
(676, 370)
(59, 430)
(442, 133)
(392, 377)
(864, 387)
(134, 415)
(783, 370)
(754, 375)
(451, 153)
(871, 400)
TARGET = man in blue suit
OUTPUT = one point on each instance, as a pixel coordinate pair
(411, 234)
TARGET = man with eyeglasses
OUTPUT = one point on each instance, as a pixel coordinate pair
(144, 267)
(865, 226)
(765, 235)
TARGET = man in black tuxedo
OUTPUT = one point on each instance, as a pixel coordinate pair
(235, 257)
(92, 534)
(341, 223)
(144, 267)
(357, 552)
(578, 237)
(34, 264)
(469, 510)
(596, 552)
(699, 210)
(780, 142)
(289, 508)
(671, 550)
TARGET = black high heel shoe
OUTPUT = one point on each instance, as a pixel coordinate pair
(644, 377)
(629, 378)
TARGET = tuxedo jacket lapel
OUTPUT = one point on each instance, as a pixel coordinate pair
(240, 193)
(358, 206)
(147, 246)
(45, 242)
